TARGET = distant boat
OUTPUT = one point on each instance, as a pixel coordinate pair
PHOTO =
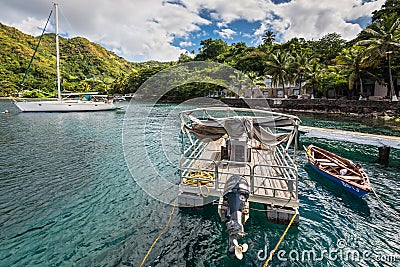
(91, 101)
(119, 98)
(73, 102)
(342, 171)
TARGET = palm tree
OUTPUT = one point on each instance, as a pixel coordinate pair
(268, 37)
(258, 82)
(279, 67)
(355, 62)
(383, 38)
(240, 81)
(301, 66)
(314, 77)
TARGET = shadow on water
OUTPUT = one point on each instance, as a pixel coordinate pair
(207, 212)
(261, 236)
(356, 204)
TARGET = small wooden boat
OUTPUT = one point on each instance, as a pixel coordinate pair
(339, 170)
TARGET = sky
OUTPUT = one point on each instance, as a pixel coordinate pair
(141, 30)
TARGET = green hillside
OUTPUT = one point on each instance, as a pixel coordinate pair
(85, 65)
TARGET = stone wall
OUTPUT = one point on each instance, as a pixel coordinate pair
(365, 108)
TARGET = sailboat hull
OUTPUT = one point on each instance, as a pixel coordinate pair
(64, 106)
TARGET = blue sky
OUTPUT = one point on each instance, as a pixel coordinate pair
(162, 29)
(242, 30)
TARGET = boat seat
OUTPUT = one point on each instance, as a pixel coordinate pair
(327, 163)
(350, 177)
(323, 160)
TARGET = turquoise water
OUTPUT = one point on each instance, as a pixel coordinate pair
(67, 197)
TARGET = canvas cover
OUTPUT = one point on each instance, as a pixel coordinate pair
(254, 127)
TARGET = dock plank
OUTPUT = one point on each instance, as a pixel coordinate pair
(354, 137)
(268, 186)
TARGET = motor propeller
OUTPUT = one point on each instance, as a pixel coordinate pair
(240, 249)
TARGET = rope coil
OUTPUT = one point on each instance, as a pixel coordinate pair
(199, 178)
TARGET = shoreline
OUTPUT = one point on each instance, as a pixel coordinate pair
(368, 109)
(389, 111)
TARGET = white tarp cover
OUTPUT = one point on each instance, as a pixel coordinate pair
(212, 129)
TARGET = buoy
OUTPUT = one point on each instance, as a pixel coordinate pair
(6, 111)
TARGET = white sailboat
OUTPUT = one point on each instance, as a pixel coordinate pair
(91, 101)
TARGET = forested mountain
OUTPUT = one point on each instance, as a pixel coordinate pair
(316, 66)
(85, 66)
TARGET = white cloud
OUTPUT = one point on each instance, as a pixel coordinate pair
(139, 30)
(228, 11)
(226, 33)
(143, 30)
(186, 44)
(313, 19)
(221, 24)
(32, 26)
(310, 19)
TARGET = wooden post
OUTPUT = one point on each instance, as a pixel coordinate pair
(384, 152)
(297, 144)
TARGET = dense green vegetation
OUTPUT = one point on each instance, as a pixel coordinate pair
(316, 66)
(85, 66)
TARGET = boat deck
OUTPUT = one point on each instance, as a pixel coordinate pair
(271, 181)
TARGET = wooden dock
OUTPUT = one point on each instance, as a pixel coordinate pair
(354, 137)
(270, 183)
(245, 148)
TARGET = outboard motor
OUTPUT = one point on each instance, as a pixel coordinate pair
(236, 193)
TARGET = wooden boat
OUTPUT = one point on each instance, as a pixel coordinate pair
(339, 170)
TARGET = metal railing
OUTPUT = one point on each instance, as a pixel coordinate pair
(254, 174)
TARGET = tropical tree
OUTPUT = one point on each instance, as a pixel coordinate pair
(240, 81)
(328, 47)
(314, 77)
(210, 49)
(268, 38)
(356, 64)
(302, 62)
(279, 67)
(390, 6)
(336, 79)
(383, 38)
(185, 57)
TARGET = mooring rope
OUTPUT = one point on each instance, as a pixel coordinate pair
(159, 235)
(384, 205)
(280, 239)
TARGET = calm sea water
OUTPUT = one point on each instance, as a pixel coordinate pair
(67, 197)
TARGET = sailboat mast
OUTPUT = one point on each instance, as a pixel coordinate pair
(57, 53)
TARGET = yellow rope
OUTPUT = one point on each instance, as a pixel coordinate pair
(202, 192)
(159, 235)
(207, 177)
(280, 240)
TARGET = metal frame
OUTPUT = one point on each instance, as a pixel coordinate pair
(192, 150)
